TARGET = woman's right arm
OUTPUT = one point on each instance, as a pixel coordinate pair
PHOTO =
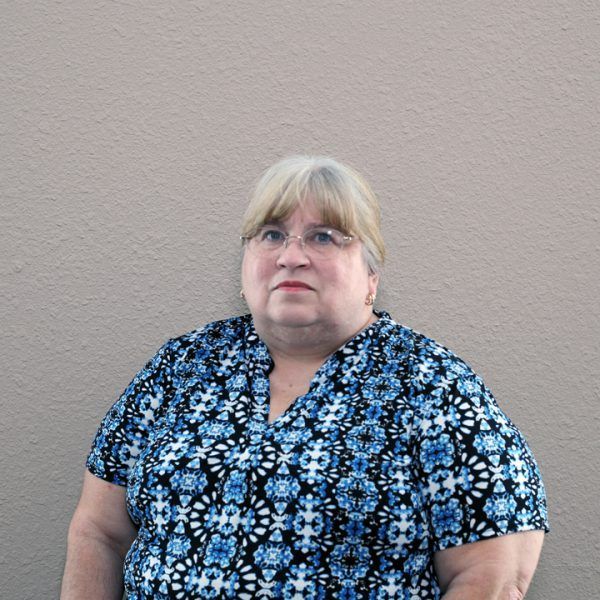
(100, 535)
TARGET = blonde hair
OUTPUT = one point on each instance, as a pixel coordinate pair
(342, 197)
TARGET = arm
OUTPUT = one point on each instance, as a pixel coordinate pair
(100, 535)
(494, 569)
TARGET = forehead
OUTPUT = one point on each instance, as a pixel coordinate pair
(305, 215)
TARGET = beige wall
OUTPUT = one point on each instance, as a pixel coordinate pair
(132, 132)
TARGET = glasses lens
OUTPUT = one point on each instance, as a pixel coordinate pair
(320, 242)
(267, 240)
(269, 237)
(323, 241)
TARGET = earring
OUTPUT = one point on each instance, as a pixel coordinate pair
(242, 295)
(370, 299)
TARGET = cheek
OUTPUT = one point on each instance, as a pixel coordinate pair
(353, 282)
(353, 274)
(254, 273)
(338, 286)
(248, 277)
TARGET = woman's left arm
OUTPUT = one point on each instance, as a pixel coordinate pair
(500, 568)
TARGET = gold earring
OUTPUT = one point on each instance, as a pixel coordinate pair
(370, 299)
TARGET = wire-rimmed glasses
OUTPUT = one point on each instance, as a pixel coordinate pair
(318, 242)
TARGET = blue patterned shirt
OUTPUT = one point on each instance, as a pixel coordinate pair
(398, 450)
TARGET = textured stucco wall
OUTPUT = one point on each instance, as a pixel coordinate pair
(131, 133)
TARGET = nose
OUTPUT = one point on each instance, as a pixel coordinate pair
(292, 254)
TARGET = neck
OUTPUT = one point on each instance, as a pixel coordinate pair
(308, 345)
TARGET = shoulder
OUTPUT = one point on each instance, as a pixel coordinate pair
(434, 364)
(436, 377)
(427, 361)
(209, 347)
(216, 335)
(450, 400)
(215, 332)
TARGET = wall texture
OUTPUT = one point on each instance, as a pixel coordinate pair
(131, 133)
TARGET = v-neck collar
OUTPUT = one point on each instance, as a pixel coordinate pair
(349, 360)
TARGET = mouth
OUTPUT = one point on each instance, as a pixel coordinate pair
(293, 286)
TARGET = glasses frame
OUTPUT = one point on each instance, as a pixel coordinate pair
(346, 239)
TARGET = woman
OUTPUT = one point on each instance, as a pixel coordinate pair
(314, 448)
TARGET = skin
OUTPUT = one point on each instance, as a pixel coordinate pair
(496, 569)
(308, 325)
(301, 328)
(99, 536)
(101, 533)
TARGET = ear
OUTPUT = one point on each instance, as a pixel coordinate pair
(373, 283)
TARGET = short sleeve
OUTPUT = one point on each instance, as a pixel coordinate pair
(124, 431)
(478, 475)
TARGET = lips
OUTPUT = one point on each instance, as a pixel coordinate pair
(293, 285)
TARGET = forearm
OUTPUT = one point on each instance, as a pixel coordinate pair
(499, 568)
(93, 570)
(488, 590)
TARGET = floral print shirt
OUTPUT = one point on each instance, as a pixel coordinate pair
(398, 450)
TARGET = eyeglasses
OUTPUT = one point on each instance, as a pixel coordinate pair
(318, 242)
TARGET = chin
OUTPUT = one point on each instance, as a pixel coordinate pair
(293, 316)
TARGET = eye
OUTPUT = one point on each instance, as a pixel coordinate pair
(320, 237)
(271, 236)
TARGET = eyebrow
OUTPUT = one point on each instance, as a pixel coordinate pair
(279, 223)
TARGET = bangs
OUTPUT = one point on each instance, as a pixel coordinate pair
(320, 187)
(342, 198)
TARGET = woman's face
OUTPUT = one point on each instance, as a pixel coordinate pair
(330, 293)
